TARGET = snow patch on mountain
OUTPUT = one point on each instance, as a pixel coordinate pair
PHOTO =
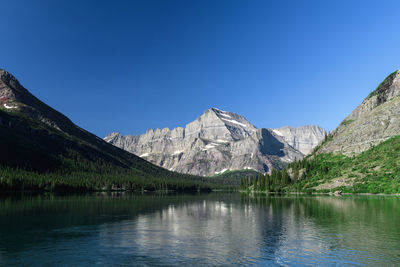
(235, 122)
(9, 107)
(277, 132)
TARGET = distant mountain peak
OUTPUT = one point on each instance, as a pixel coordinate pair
(215, 141)
(233, 119)
(217, 109)
(111, 136)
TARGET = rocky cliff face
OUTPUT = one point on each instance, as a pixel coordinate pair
(303, 138)
(15, 98)
(376, 119)
(215, 142)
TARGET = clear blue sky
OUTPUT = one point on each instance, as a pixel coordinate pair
(128, 66)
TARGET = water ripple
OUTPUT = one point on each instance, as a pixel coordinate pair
(208, 230)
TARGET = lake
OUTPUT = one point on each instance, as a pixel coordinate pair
(216, 229)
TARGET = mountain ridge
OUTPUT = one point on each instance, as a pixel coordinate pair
(44, 150)
(360, 156)
(375, 120)
(221, 140)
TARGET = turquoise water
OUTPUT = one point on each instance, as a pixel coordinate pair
(211, 229)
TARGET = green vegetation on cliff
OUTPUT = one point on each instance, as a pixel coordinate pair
(383, 85)
(376, 170)
(347, 159)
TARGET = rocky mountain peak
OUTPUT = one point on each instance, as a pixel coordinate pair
(112, 136)
(6, 76)
(10, 90)
(387, 90)
(14, 97)
(216, 124)
(233, 119)
(215, 142)
(373, 121)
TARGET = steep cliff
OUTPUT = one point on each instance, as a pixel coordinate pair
(376, 119)
(303, 138)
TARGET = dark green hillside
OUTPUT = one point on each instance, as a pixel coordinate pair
(237, 174)
(35, 156)
(41, 149)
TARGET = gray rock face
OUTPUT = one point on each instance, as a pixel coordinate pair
(15, 98)
(10, 91)
(215, 142)
(376, 119)
(303, 138)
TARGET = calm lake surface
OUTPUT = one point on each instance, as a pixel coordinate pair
(207, 229)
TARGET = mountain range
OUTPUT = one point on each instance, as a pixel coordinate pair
(219, 141)
(44, 150)
(41, 149)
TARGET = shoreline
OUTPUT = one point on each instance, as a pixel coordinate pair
(318, 193)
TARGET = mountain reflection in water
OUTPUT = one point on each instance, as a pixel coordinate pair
(207, 229)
